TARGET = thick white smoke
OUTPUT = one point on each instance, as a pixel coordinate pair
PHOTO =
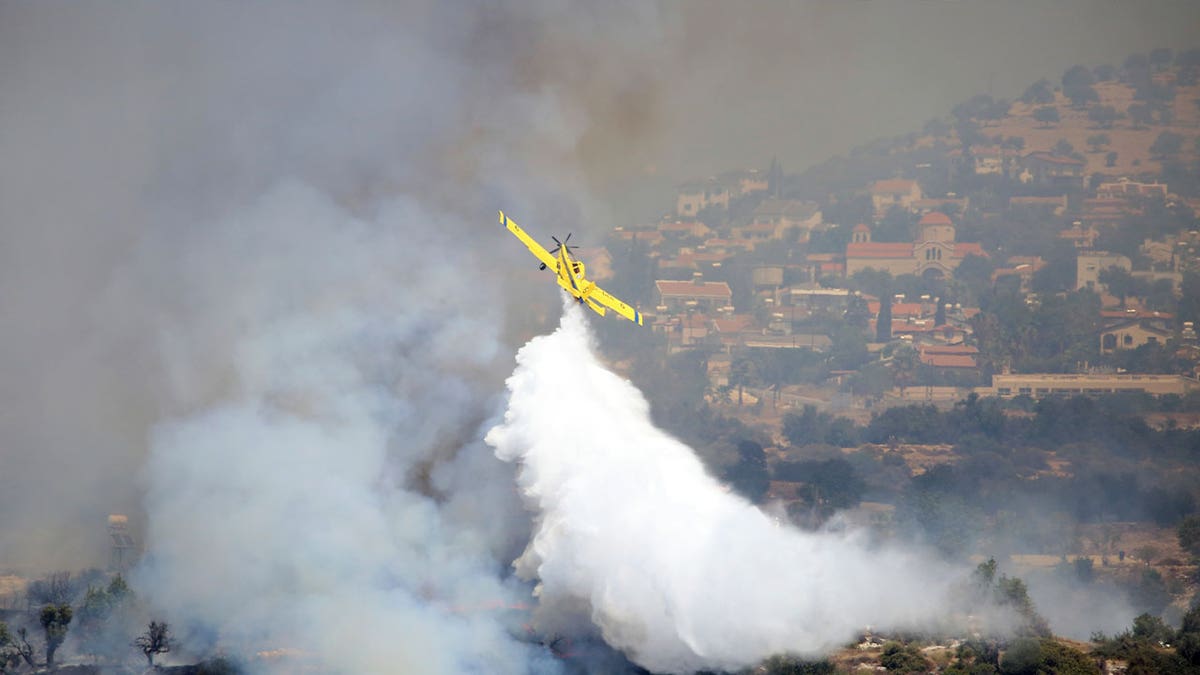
(678, 572)
(323, 502)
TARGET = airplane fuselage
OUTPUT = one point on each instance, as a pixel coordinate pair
(571, 274)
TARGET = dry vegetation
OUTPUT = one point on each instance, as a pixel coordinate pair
(1132, 145)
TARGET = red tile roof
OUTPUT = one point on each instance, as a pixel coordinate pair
(681, 227)
(895, 186)
(734, 324)
(861, 227)
(935, 218)
(1055, 159)
(879, 249)
(706, 289)
(900, 309)
(963, 249)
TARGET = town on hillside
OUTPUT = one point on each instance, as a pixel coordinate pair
(927, 267)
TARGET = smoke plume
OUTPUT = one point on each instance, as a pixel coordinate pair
(675, 570)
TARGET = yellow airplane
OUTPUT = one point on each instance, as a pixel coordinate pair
(570, 274)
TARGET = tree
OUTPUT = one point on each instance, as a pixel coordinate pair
(1168, 143)
(1140, 114)
(1047, 115)
(883, 322)
(1110, 159)
(1039, 92)
(1078, 76)
(898, 658)
(1081, 95)
(99, 617)
(1098, 141)
(156, 640)
(1063, 148)
(55, 589)
(1189, 635)
(1152, 628)
(749, 476)
(790, 665)
(54, 620)
(1105, 73)
(1104, 116)
(1118, 281)
(9, 656)
(23, 649)
(1160, 58)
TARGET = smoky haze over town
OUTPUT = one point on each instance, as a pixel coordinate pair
(917, 386)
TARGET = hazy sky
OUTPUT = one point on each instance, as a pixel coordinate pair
(812, 79)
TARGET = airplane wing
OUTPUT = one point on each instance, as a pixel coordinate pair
(603, 297)
(535, 248)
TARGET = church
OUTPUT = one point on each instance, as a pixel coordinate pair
(934, 252)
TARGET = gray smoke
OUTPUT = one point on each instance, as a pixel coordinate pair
(255, 295)
(251, 287)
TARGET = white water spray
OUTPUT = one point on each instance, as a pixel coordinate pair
(678, 572)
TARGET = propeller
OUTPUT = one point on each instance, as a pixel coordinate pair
(560, 244)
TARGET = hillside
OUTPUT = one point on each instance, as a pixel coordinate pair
(1130, 141)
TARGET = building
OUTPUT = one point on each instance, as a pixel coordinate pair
(934, 252)
(697, 295)
(744, 181)
(1127, 188)
(695, 196)
(1038, 385)
(987, 161)
(1055, 205)
(681, 229)
(1088, 267)
(1023, 267)
(956, 357)
(1132, 328)
(1050, 170)
(1131, 334)
(775, 216)
(895, 192)
(1081, 237)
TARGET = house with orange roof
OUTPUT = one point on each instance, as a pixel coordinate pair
(948, 356)
(696, 295)
(934, 252)
(683, 228)
(643, 235)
